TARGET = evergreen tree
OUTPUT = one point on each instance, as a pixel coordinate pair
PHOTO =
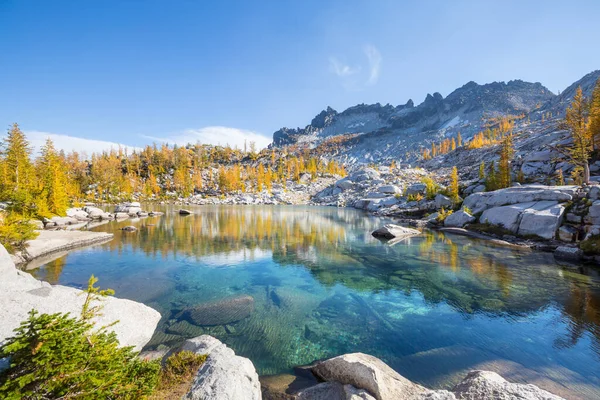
(577, 120)
(18, 180)
(595, 115)
(506, 154)
(482, 170)
(491, 180)
(53, 179)
(454, 186)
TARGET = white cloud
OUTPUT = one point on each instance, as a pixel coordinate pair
(354, 77)
(72, 143)
(215, 135)
(340, 69)
(374, 58)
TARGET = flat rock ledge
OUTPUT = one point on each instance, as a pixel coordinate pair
(49, 242)
(20, 293)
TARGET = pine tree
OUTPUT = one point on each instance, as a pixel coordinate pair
(577, 120)
(18, 179)
(454, 186)
(491, 180)
(459, 139)
(482, 170)
(560, 180)
(53, 179)
(506, 154)
(595, 115)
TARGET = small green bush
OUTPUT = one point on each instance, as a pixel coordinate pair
(591, 246)
(56, 356)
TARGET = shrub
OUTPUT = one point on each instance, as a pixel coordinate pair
(431, 187)
(15, 231)
(56, 356)
(177, 374)
(591, 246)
(467, 210)
(443, 214)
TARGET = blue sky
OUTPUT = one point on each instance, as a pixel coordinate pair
(134, 72)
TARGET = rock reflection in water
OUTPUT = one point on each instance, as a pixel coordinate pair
(431, 306)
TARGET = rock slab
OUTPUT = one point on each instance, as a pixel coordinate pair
(20, 292)
(224, 375)
(391, 231)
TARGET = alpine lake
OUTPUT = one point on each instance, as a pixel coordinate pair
(288, 285)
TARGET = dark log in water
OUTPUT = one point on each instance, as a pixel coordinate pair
(219, 312)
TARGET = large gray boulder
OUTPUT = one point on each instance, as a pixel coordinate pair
(78, 214)
(543, 219)
(479, 385)
(391, 231)
(389, 189)
(479, 202)
(416, 188)
(506, 217)
(357, 376)
(442, 201)
(370, 373)
(344, 184)
(224, 375)
(20, 293)
(539, 218)
(459, 219)
(366, 174)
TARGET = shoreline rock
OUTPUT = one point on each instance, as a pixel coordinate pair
(20, 292)
(49, 242)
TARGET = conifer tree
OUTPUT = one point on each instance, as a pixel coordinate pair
(53, 179)
(459, 140)
(506, 154)
(482, 170)
(577, 120)
(454, 186)
(595, 115)
(560, 179)
(491, 182)
(18, 179)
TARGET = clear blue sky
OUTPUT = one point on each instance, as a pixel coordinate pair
(130, 71)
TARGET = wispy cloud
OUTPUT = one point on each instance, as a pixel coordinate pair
(72, 143)
(374, 58)
(355, 77)
(215, 135)
(341, 69)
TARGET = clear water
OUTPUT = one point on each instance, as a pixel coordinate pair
(432, 306)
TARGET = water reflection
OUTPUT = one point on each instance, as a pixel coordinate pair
(431, 306)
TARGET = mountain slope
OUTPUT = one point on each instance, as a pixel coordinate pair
(465, 108)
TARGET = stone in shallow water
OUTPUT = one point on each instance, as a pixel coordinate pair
(220, 312)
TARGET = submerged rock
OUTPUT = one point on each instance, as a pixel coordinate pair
(185, 212)
(220, 312)
(391, 231)
(224, 375)
(129, 228)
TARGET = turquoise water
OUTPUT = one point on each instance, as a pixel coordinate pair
(432, 307)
